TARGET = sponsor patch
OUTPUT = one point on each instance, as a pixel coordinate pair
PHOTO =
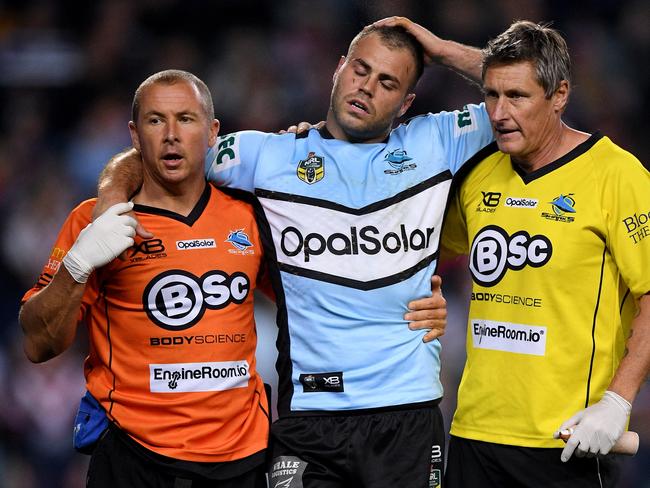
(192, 377)
(489, 201)
(322, 382)
(464, 122)
(637, 226)
(191, 244)
(286, 472)
(508, 337)
(521, 202)
(225, 153)
(494, 252)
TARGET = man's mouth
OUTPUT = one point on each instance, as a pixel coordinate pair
(359, 106)
(172, 157)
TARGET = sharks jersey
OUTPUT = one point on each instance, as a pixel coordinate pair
(355, 231)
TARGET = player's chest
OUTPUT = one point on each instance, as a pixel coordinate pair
(353, 175)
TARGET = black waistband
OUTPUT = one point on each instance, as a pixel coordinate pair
(363, 411)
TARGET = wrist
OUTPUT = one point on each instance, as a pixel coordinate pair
(77, 267)
(613, 397)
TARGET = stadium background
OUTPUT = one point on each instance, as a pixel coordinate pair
(67, 74)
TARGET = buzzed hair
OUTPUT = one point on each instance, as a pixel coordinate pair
(171, 77)
(539, 44)
(396, 37)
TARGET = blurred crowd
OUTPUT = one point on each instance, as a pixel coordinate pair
(68, 71)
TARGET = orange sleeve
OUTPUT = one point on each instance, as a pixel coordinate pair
(79, 218)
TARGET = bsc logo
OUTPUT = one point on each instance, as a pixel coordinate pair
(176, 299)
(493, 252)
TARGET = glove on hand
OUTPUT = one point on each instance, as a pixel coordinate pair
(596, 428)
(101, 241)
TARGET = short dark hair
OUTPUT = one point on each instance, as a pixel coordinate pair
(171, 77)
(538, 43)
(396, 37)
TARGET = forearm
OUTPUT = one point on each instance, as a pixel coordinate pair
(121, 177)
(463, 59)
(49, 318)
(635, 365)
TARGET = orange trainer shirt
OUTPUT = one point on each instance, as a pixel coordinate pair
(172, 332)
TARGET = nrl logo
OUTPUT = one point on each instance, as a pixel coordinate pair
(311, 170)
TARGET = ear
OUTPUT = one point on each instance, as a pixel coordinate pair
(214, 132)
(134, 135)
(406, 104)
(338, 68)
(561, 96)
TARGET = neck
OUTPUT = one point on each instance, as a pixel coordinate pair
(179, 198)
(338, 133)
(558, 143)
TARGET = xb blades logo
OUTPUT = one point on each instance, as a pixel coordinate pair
(311, 170)
(563, 204)
(239, 239)
(398, 158)
(491, 198)
(493, 252)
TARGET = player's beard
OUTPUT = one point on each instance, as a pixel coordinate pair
(359, 132)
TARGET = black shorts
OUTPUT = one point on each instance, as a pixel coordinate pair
(119, 462)
(486, 465)
(376, 448)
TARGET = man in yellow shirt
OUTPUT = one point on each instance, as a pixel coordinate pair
(557, 226)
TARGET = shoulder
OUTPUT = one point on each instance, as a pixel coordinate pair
(611, 160)
(479, 166)
(240, 199)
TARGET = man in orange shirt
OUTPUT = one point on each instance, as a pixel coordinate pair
(171, 328)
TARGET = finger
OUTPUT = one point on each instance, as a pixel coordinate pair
(320, 125)
(568, 450)
(142, 232)
(432, 334)
(292, 129)
(388, 21)
(439, 314)
(436, 284)
(303, 126)
(436, 302)
(282, 132)
(120, 208)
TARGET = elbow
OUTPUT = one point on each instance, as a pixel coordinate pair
(37, 354)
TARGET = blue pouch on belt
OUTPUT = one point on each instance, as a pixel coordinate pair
(89, 424)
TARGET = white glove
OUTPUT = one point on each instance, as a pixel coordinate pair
(596, 428)
(101, 242)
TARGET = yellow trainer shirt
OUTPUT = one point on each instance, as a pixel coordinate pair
(558, 259)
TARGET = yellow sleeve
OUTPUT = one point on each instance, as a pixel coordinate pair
(626, 208)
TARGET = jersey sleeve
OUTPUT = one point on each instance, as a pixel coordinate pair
(626, 208)
(79, 218)
(463, 133)
(454, 233)
(233, 160)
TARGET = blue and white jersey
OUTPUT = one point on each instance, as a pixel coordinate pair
(355, 229)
